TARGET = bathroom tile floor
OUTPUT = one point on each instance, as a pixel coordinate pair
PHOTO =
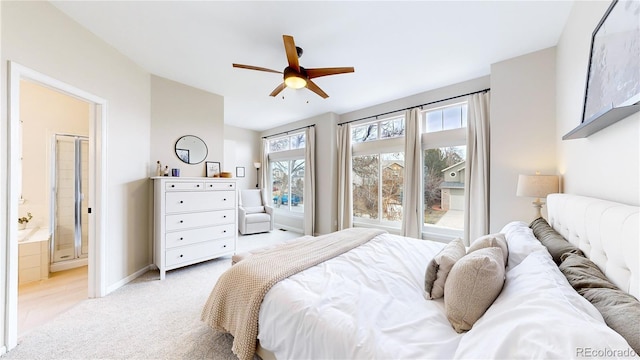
(41, 301)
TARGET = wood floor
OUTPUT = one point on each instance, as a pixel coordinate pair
(41, 301)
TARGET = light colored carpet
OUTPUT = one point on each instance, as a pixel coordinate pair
(145, 319)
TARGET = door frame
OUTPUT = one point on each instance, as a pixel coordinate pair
(97, 187)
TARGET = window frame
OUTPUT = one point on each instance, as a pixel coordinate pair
(435, 140)
(378, 147)
(285, 155)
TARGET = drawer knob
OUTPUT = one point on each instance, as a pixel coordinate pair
(181, 255)
(181, 238)
(230, 185)
(181, 221)
(224, 216)
(198, 185)
(224, 245)
(181, 202)
(224, 231)
(173, 186)
(224, 199)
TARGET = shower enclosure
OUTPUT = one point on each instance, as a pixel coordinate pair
(69, 241)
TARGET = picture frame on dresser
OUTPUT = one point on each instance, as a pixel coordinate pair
(212, 169)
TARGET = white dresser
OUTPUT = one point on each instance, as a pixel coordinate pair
(195, 219)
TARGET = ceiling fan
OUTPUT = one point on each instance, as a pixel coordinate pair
(295, 76)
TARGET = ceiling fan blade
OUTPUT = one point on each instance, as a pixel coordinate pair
(292, 53)
(250, 67)
(277, 90)
(316, 89)
(314, 73)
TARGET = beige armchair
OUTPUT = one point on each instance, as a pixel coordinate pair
(254, 215)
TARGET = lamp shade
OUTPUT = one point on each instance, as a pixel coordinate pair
(537, 186)
(256, 165)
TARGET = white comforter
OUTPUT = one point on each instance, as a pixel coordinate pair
(369, 304)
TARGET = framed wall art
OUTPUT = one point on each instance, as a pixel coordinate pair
(213, 168)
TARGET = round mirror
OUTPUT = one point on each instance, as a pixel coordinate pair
(191, 149)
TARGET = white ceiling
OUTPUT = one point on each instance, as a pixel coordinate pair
(397, 48)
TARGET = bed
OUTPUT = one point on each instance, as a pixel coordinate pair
(369, 299)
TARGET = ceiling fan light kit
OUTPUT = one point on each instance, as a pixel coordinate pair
(295, 76)
(293, 79)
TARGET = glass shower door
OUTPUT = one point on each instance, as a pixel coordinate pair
(70, 237)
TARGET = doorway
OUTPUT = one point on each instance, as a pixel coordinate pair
(96, 180)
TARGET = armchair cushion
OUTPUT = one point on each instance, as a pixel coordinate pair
(253, 209)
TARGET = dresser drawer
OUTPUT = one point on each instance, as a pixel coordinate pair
(187, 237)
(211, 185)
(192, 253)
(199, 201)
(201, 219)
(194, 185)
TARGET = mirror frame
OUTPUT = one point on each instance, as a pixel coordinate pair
(179, 154)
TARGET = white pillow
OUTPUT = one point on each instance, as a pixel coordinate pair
(521, 242)
(254, 209)
(538, 315)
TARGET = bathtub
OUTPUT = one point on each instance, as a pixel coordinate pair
(33, 254)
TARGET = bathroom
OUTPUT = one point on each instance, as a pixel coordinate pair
(53, 246)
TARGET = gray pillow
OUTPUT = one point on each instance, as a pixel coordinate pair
(474, 282)
(491, 240)
(554, 242)
(619, 310)
(439, 267)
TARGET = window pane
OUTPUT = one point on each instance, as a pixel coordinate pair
(434, 121)
(364, 133)
(464, 116)
(365, 186)
(392, 178)
(279, 144)
(280, 183)
(392, 128)
(452, 118)
(296, 203)
(297, 141)
(444, 187)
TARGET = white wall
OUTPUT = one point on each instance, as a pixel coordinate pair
(40, 37)
(178, 110)
(523, 138)
(326, 183)
(242, 148)
(606, 164)
(43, 113)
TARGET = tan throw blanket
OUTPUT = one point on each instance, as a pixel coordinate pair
(234, 303)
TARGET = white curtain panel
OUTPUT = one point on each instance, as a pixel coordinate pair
(310, 181)
(411, 207)
(264, 169)
(345, 207)
(476, 197)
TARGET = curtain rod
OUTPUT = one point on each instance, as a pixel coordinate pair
(288, 131)
(420, 106)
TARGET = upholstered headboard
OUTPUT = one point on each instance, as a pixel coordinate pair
(607, 232)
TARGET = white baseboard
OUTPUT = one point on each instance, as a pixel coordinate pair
(128, 279)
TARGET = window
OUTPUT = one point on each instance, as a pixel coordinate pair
(384, 129)
(444, 154)
(288, 185)
(287, 166)
(378, 171)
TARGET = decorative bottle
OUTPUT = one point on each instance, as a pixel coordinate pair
(158, 168)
